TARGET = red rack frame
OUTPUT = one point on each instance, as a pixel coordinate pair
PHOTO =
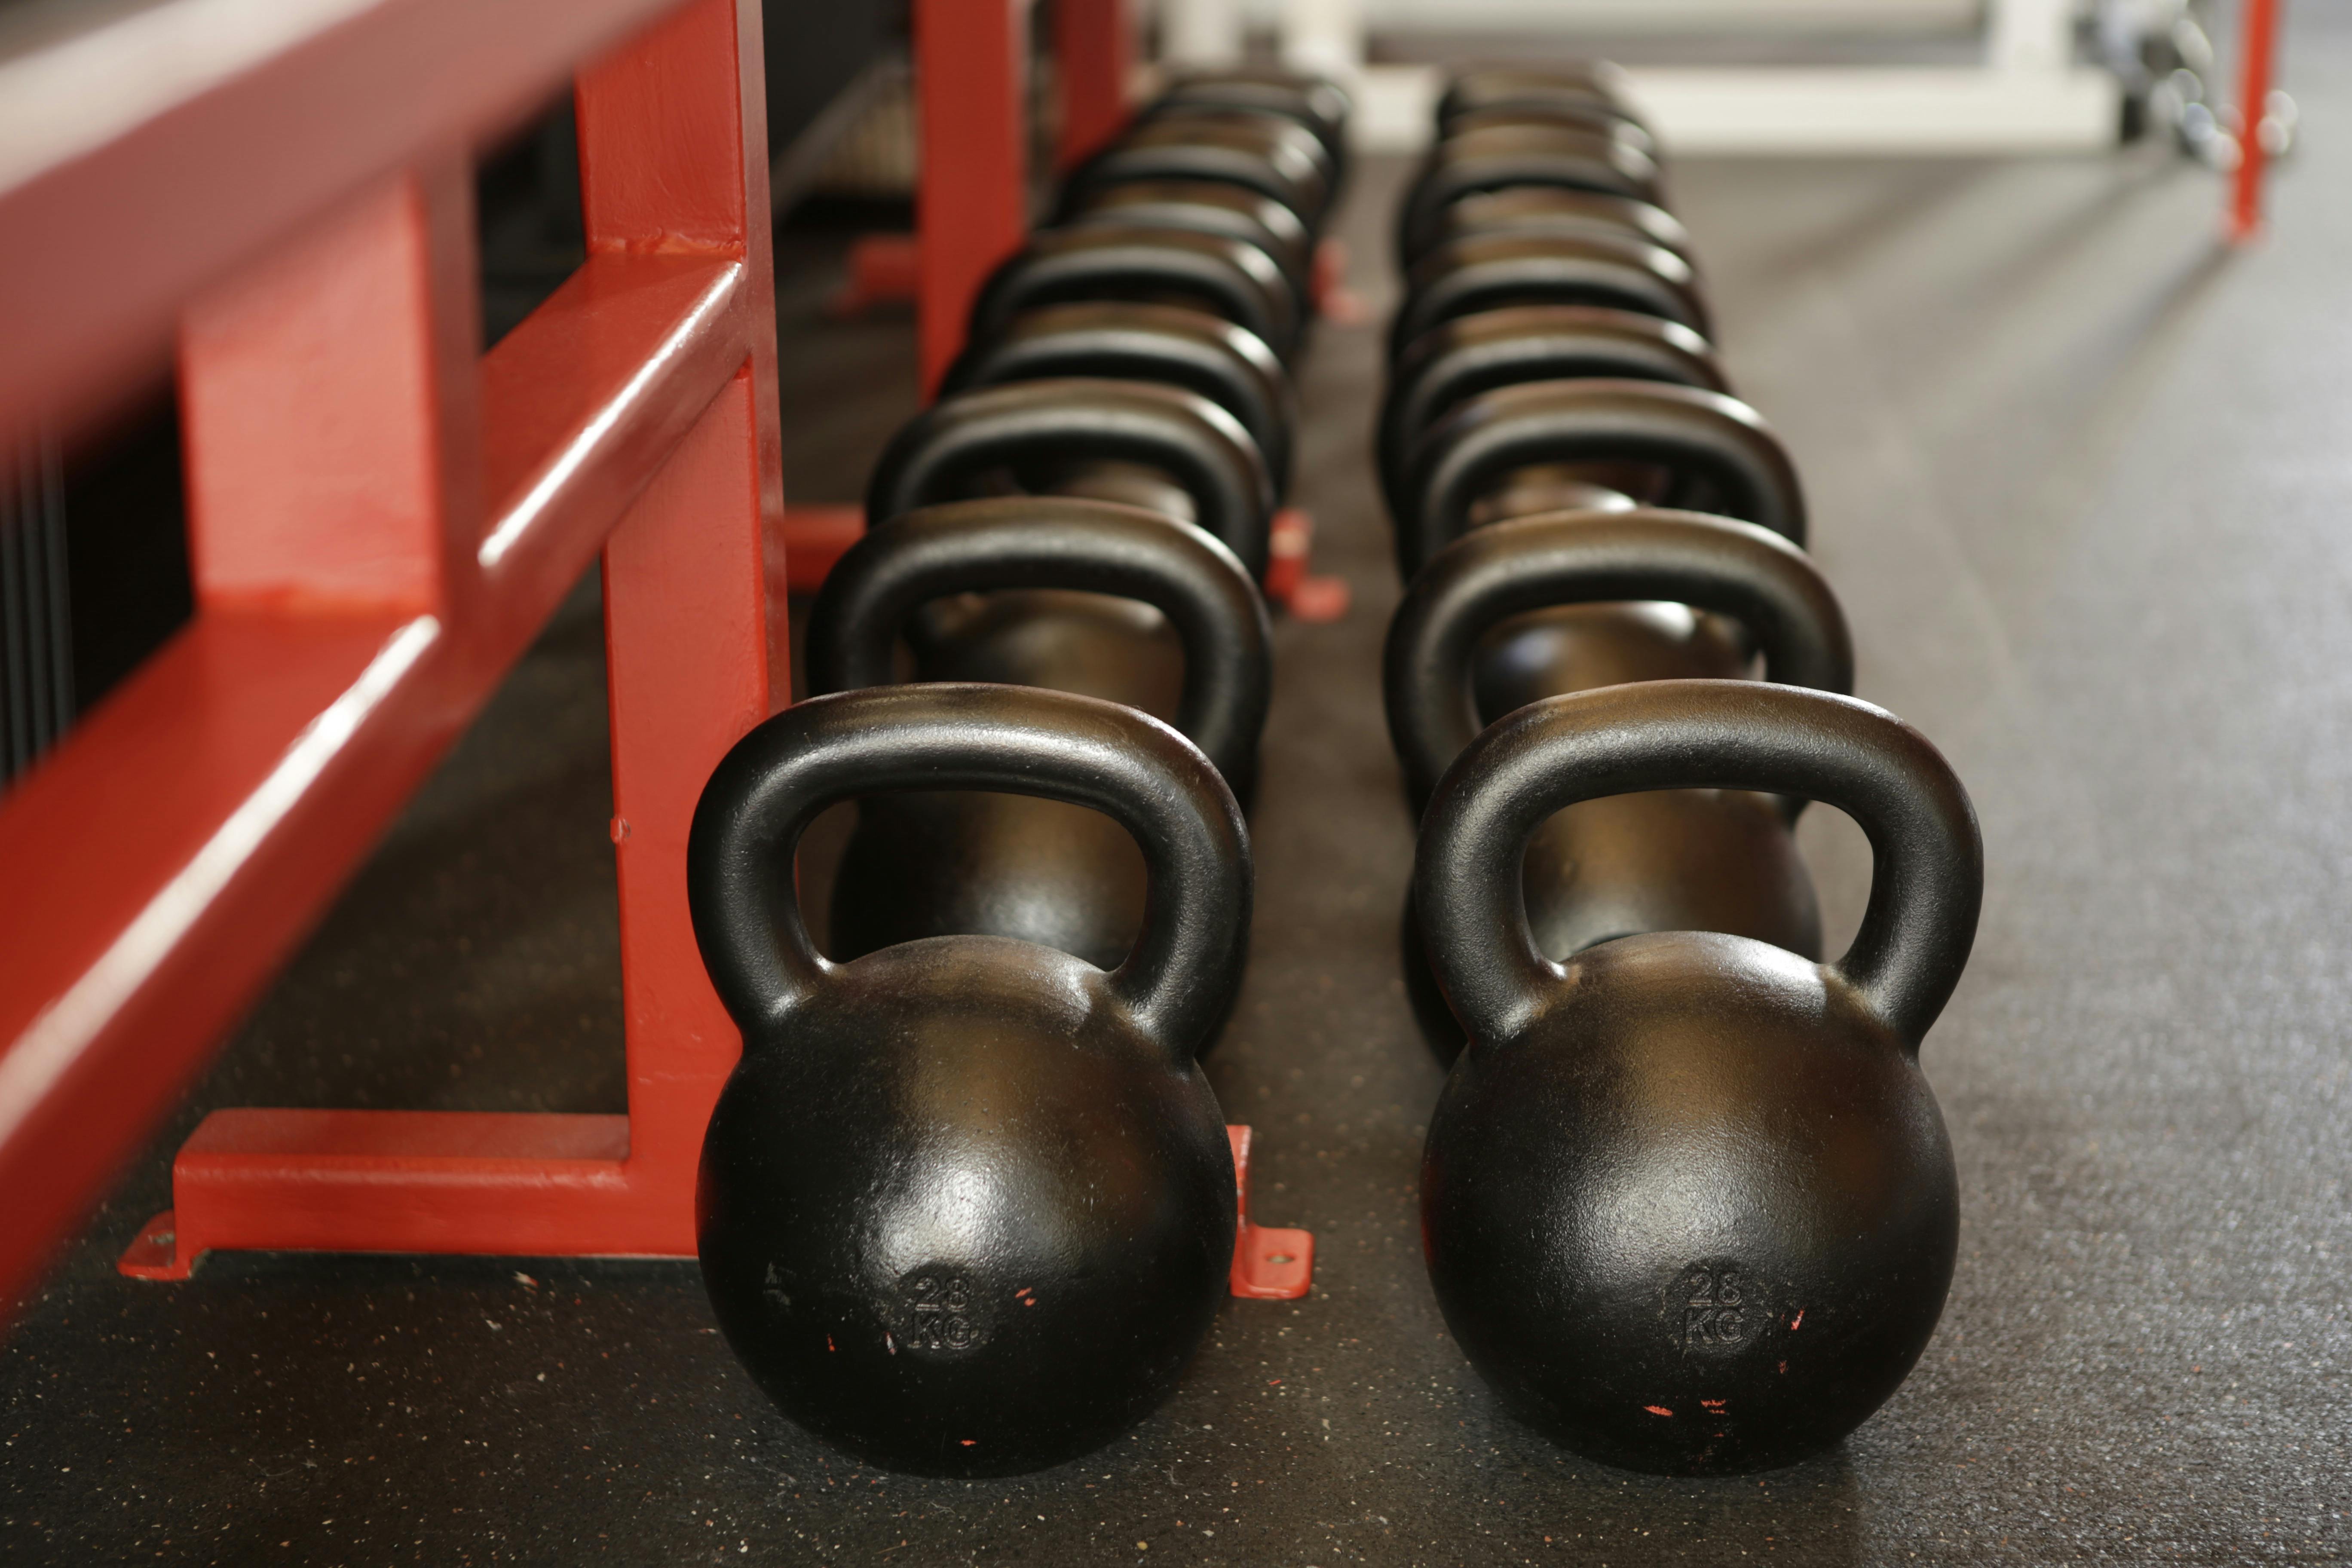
(381, 518)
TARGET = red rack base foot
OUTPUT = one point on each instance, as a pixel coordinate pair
(1288, 583)
(1269, 1264)
(1334, 301)
(155, 1255)
(884, 268)
(521, 1185)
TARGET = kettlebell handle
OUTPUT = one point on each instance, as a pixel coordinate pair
(1694, 734)
(1080, 420)
(1015, 740)
(1059, 542)
(1684, 428)
(1508, 568)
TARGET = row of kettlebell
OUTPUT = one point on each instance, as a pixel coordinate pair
(967, 1204)
(1688, 1202)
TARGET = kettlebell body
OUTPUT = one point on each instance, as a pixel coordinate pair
(1688, 1202)
(966, 1206)
(1699, 1216)
(959, 1217)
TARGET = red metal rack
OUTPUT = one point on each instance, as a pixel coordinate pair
(2257, 47)
(381, 518)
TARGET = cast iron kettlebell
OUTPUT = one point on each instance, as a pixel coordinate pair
(1687, 1200)
(1500, 158)
(1199, 207)
(1536, 607)
(1553, 209)
(1227, 277)
(1458, 359)
(1043, 435)
(1710, 453)
(1490, 271)
(1106, 601)
(966, 1206)
(1115, 340)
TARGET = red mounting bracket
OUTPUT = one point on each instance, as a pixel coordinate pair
(1269, 1264)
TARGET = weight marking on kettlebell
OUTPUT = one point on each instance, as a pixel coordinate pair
(1716, 1307)
(942, 1317)
(772, 1288)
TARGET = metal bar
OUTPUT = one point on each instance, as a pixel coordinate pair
(2257, 45)
(1766, 110)
(117, 148)
(971, 195)
(1094, 50)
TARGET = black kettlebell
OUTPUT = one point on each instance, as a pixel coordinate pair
(1530, 608)
(1579, 114)
(1555, 210)
(1316, 102)
(1501, 157)
(1218, 273)
(1594, 84)
(1687, 1200)
(1707, 453)
(1277, 159)
(1058, 434)
(1486, 272)
(966, 1206)
(1229, 366)
(1200, 206)
(1469, 354)
(1107, 601)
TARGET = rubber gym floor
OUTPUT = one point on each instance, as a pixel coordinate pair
(2081, 478)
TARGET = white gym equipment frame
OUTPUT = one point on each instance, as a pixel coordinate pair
(2028, 95)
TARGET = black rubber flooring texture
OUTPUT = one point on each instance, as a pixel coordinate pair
(2083, 481)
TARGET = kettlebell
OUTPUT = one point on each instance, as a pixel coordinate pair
(1111, 602)
(966, 1204)
(1500, 157)
(1584, 115)
(1556, 209)
(1521, 610)
(1601, 83)
(1711, 453)
(1218, 273)
(1316, 102)
(1229, 366)
(1047, 434)
(1275, 158)
(1199, 207)
(1469, 354)
(1686, 1200)
(1486, 271)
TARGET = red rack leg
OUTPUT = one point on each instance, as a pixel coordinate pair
(972, 196)
(1269, 1264)
(1094, 46)
(694, 576)
(2256, 45)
